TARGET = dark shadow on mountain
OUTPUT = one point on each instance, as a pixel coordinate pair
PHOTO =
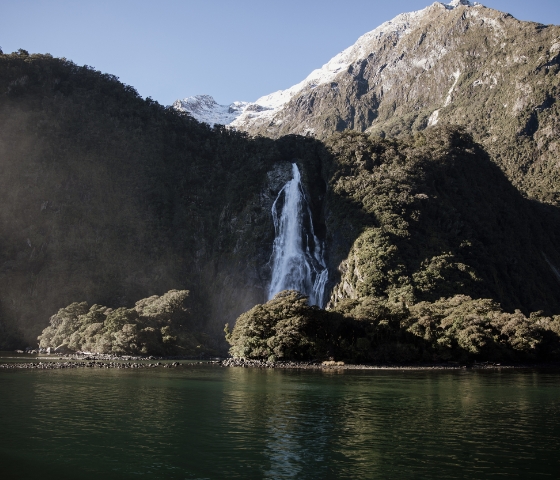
(434, 217)
(109, 198)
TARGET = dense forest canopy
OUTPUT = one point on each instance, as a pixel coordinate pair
(108, 199)
(372, 329)
(430, 216)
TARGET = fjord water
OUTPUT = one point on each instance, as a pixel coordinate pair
(297, 255)
(195, 422)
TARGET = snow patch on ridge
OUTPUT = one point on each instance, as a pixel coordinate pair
(457, 3)
(434, 118)
(205, 109)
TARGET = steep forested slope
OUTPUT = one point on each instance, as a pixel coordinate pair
(431, 216)
(107, 198)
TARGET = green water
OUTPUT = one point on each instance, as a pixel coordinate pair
(208, 422)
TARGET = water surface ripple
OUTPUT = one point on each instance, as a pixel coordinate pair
(207, 422)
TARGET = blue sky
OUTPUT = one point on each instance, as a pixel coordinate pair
(231, 49)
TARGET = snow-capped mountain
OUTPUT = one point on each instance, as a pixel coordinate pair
(457, 63)
(398, 27)
(205, 109)
(247, 115)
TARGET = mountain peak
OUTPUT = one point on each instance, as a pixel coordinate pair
(205, 109)
(398, 27)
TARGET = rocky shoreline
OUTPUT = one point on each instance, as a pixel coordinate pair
(333, 365)
(99, 361)
(95, 364)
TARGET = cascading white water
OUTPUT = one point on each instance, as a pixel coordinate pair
(297, 256)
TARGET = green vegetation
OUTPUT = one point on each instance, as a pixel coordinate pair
(373, 329)
(156, 325)
(286, 328)
(431, 239)
(430, 216)
(109, 198)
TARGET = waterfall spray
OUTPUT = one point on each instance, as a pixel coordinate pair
(297, 255)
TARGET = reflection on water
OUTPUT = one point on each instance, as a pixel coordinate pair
(210, 422)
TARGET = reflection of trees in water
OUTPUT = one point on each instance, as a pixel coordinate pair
(391, 423)
(128, 419)
(457, 421)
(250, 423)
(295, 419)
(119, 398)
(348, 425)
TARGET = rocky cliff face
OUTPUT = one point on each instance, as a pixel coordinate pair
(239, 278)
(459, 63)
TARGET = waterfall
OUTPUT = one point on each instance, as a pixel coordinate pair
(297, 255)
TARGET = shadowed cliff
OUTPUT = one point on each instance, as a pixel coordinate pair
(108, 198)
(431, 216)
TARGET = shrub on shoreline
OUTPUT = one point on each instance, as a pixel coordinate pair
(156, 325)
(373, 329)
